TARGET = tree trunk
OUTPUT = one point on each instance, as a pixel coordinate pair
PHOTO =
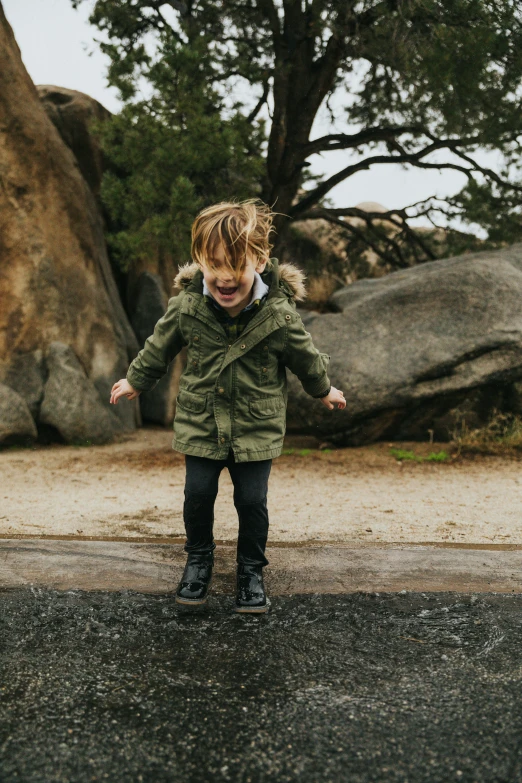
(302, 79)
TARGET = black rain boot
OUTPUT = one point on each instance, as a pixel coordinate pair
(195, 582)
(198, 514)
(251, 597)
(251, 543)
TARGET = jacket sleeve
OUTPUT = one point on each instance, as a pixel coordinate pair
(304, 360)
(160, 348)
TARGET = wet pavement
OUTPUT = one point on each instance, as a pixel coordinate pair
(310, 568)
(125, 686)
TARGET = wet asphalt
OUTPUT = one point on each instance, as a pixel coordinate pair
(361, 687)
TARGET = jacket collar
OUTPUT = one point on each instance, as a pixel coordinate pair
(194, 304)
(283, 279)
(259, 290)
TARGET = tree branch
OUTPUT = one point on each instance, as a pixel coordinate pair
(268, 7)
(177, 5)
(321, 190)
(487, 172)
(415, 239)
(342, 141)
(353, 212)
(155, 5)
(368, 17)
(320, 213)
(261, 102)
(414, 158)
(333, 215)
(369, 217)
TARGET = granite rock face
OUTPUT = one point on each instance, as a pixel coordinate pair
(408, 348)
(71, 403)
(73, 114)
(56, 283)
(26, 375)
(16, 422)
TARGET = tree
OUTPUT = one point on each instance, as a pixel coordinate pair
(420, 77)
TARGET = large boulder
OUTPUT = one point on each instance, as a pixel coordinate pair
(148, 304)
(71, 403)
(406, 349)
(16, 422)
(26, 375)
(56, 283)
(73, 114)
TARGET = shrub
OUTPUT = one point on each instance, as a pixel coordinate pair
(502, 434)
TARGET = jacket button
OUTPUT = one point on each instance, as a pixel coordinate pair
(222, 440)
(221, 391)
(196, 339)
(243, 347)
(288, 317)
(265, 348)
(195, 363)
(190, 299)
(264, 369)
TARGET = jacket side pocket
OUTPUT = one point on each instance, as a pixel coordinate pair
(190, 401)
(270, 406)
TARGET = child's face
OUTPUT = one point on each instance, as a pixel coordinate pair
(231, 294)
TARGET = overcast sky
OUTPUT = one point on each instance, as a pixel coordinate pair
(58, 47)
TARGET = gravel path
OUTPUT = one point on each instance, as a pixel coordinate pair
(134, 489)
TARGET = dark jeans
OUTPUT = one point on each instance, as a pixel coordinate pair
(250, 481)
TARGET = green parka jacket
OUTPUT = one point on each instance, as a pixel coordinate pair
(233, 395)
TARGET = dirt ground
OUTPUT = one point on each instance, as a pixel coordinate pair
(134, 490)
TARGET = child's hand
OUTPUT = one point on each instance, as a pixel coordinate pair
(123, 389)
(335, 396)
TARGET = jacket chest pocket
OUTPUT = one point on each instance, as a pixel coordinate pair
(264, 360)
(194, 353)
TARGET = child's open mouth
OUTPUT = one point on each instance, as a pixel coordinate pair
(227, 293)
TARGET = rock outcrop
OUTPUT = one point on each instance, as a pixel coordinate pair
(16, 423)
(406, 349)
(26, 374)
(56, 283)
(71, 403)
(148, 304)
(73, 114)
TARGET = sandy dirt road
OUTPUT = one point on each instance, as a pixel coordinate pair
(134, 490)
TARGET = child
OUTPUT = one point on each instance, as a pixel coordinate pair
(236, 315)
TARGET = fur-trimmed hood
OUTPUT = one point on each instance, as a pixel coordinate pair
(290, 276)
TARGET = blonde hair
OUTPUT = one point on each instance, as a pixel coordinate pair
(240, 227)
